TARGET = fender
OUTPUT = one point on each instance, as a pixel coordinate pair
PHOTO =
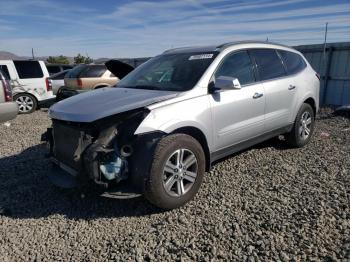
(301, 101)
(180, 115)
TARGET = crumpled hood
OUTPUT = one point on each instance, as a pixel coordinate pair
(97, 104)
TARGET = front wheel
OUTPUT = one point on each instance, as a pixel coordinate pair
(26, 103)
(303, 127)
(177, 171)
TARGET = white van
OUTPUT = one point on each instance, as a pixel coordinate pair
(30, 83)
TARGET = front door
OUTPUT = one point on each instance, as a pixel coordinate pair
(238, 115)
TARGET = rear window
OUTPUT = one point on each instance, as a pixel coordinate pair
(67, 67)
(59, 76)
(294, 62)
(269, 64)
(75, 72)
(53, 69)
(5, 71)
(93, 71)
(28, 69)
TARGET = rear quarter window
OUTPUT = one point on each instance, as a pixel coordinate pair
(293, 62)
(269, 64)
(5, 71)
(28, 69)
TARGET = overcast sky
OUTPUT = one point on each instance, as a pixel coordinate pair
(119, 28)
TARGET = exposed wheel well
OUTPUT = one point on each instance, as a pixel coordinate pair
(200, 137)
(312, 103)
(25, 93)
(101, 86)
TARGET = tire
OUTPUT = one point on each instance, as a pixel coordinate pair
(26, 103)
(158, 189)
(299, 136)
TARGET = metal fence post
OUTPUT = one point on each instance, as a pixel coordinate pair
(326, 76)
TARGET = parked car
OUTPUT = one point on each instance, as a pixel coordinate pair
(87, 77)
(29, 80)
(8, 108)
(84, 78)
(55, 68)
(172, 117)
(57, 80)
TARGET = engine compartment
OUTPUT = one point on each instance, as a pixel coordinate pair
(105, 151)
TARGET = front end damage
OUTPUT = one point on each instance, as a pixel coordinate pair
(105, 152)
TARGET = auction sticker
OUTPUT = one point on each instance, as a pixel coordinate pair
(203, 56)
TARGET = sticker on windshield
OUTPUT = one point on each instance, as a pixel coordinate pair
(203, 56)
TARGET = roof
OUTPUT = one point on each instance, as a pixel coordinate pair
(217, 48)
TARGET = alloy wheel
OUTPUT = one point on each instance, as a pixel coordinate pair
(305, 125)
(180, 172)
(25, 104)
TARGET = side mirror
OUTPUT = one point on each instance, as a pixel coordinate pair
(227, 83)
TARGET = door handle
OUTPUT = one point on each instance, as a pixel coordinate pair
(291, 87)
(257, 95)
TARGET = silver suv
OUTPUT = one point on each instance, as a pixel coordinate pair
(167, 121)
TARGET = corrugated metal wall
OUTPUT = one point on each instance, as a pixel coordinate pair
(334, 68)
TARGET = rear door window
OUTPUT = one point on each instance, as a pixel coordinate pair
(293, 62)
(269, 64)
(28, 69)
(5, 71)
(237, 65)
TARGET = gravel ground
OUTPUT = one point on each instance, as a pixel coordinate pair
(266, 203)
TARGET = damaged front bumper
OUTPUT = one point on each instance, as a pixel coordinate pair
(117, 161)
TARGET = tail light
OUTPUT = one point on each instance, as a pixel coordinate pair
(48, 84)
(7, 90)
(318, 76)
(79, 83)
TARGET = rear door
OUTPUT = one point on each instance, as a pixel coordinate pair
(238, 115)
(278, 93)
(294, 65)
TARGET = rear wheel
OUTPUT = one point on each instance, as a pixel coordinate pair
(26, 103)
(303, 127)
(177, 171)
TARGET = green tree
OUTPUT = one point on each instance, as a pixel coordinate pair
(80, 59)
(57, 60)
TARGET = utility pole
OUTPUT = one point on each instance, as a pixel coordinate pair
(33, 53)
(325, 41)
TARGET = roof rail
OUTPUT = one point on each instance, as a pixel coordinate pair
(225, 45)
(177, 48)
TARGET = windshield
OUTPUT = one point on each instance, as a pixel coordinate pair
(169, 72)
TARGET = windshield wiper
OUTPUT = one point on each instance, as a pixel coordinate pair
(141, 87)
